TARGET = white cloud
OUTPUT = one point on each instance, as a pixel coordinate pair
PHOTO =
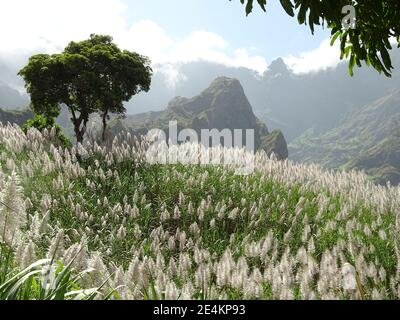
(150, 39)
(29, 27)
(243, 59)
(171, 74)
(325, 56)
(200, 45)
(146, 37)
(49, 25)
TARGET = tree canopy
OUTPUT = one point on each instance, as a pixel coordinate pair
(377, 27)
(88, 76)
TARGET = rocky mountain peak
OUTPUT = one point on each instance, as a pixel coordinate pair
(223, 105)
(225, 84)
(277, 67)
(224, 95)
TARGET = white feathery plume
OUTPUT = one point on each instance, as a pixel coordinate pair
(12, 210)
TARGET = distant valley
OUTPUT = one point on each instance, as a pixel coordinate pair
(325, 117)
(368, 139)
(223, 105)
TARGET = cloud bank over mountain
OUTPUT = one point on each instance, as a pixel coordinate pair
(322, 58)
(46, 26)
(31, 33)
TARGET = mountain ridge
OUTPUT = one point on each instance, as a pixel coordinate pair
(223, 105)
(368, 139)
(18, 117)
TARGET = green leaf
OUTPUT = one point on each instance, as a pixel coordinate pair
(249, 7)
(386, 58)
(301, 17)
(334, 37)
(352, 64)
(22, 273)
(288, 6)
(262, 4)
(348, 50)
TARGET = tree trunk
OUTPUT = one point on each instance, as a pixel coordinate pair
(105, 114)
(80, 132)
(79, 136)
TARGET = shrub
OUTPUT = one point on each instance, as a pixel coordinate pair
(41, 123)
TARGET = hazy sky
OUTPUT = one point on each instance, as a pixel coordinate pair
(168, 31)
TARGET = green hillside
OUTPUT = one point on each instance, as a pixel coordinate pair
(15, 116)
(153, 231)
(367, 139)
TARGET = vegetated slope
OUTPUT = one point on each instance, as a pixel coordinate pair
(292, 103)
(368, 139)
(281, 98)
(18, 117)
(11, 98)
(223, 105)
(319, 100)
(199, 232)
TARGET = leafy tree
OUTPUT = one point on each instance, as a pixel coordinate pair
(41, 122)
(89, 76)
(377, 22)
